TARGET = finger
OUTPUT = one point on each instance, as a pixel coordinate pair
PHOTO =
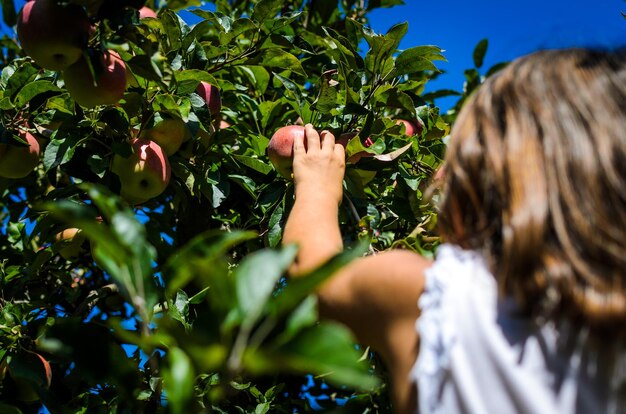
(328, 140)
(312, 138)
(298, 145)
(340, 151)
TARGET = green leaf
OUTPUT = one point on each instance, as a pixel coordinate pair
(246, 183)
(275, 229)
(479, 52)
(254, 163)
(299, 288)
(327, 349)
(6, 104)
(266, 9)
(20, 78)
(346, 50)
(259, 77)
(417, 59)
(303, 316)
(147, 67)
(178, 380)
(119, 247)
(278, 58)
(32, 89)
(188, 80)
(237, 28)
(60, 149)
(269, 112)
(390, 97)
(495, 68)
(327, 98)
(8, 13)
(205, 256)
(382, 47)
(374, 4)
(173, 27)
(291, 87)
(63, 103)
(256, 278)
(178, 309)
(183, 4)
(275, 24)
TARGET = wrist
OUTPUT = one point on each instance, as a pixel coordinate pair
(317, 196)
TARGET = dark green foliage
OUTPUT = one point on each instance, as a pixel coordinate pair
(184, 297)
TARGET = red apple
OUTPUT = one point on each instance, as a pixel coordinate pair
(18, 161)
(410, 127)
(280, 148)
(143, 175)
(168, 133)
(53, 35)
(109, 85)
(146, 11)
(211, 95)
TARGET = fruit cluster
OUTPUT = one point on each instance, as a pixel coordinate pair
(96, 76)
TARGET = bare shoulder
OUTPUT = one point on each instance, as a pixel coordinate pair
(375, 294)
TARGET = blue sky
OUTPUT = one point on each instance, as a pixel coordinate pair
(512, 28)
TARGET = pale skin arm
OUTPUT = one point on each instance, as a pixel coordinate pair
(376, 296)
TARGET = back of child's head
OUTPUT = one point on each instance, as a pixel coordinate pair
(535, 179)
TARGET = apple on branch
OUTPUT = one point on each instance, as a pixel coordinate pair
(145, 174)
(410, 127)
(106, 89)
(212, 97)
(147, 12)
(72, 239)
(169, 133)
(53, 35)
(280, 148)
(17, 161)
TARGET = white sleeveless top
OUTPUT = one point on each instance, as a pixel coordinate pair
(477, 356)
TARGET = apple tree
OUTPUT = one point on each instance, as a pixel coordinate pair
(142, 210)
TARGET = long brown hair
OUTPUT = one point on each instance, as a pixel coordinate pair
(535, 178)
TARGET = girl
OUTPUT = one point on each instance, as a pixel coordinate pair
(524, 308)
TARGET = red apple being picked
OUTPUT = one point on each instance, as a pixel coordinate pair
(143, 175)
(106, 89)
(18, 161)
(280, 148)
(54, 35)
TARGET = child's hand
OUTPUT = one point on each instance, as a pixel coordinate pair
(318, 170)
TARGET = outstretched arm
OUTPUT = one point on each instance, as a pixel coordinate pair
(370, 294)
(318, 176)
(376, 296)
